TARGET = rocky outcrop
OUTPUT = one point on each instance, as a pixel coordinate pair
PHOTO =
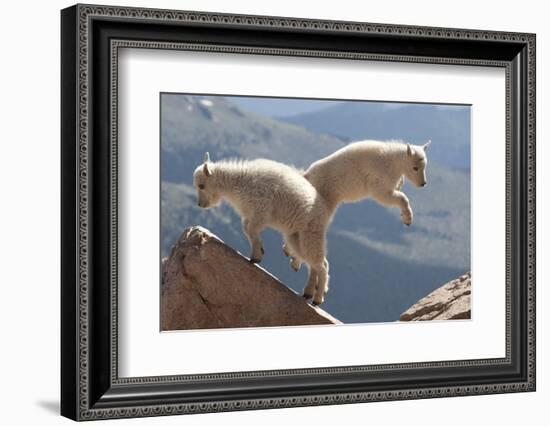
(207, 284)
(451, 301)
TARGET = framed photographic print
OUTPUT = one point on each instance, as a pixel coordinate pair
(263, 212)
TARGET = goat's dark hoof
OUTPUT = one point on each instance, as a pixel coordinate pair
(307, 296)
(252, 260)
(314, 303)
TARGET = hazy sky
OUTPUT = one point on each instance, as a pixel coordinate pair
(279, 107)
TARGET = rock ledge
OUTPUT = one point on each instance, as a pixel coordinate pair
(451, 301)
(207, 284)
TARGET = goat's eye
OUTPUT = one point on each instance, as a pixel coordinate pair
(415, 168)
(201, 186)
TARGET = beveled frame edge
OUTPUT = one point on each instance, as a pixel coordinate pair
(77, 195)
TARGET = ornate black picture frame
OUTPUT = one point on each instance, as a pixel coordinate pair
(90, 385)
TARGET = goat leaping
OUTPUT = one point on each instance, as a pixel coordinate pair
(370, 169)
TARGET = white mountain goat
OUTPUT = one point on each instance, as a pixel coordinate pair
(266, 193)
(370, 169)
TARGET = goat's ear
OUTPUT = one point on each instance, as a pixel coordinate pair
(206, 169)
(409, 150)
(426, 145)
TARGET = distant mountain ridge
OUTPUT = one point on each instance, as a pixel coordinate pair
(447, 126)
(191, 125)
(379, 267)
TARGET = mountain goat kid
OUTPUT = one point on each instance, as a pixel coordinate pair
(370, 169)
(266, 193)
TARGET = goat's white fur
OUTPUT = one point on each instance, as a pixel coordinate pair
(270, 194)
(372, 169)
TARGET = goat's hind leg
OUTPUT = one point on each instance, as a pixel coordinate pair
(326, 264)
(286, 250)
(322, 282)
(313, 251)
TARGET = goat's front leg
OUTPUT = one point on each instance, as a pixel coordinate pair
(289, 242)
(252, 230)
(397, 198)
(400, 183)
